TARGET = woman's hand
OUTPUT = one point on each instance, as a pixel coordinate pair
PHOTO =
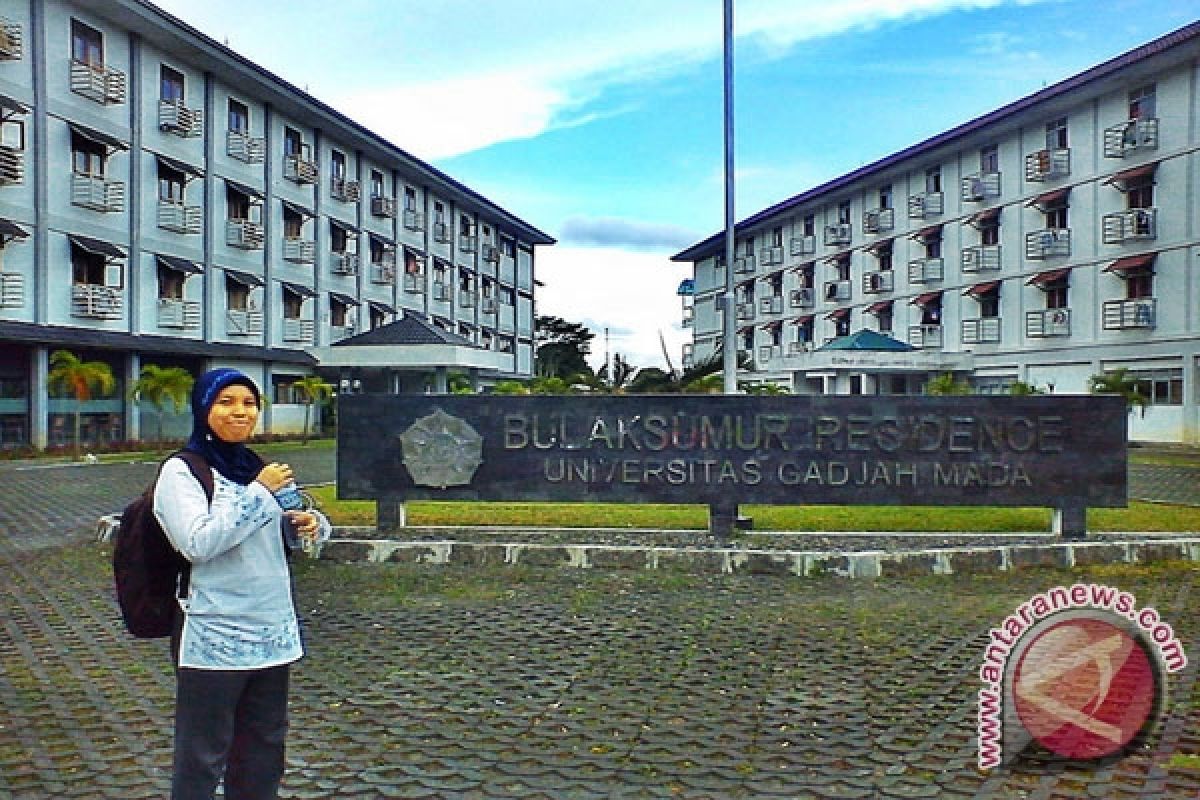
(275, 476)
(306, 524)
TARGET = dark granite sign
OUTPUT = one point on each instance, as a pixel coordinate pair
(1052, 451)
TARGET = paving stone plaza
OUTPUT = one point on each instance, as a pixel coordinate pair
(528, 682)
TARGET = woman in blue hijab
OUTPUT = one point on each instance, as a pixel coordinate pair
(238, 631)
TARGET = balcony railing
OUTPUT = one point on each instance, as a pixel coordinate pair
(1132, 225)
(771, 305)
(244, 147)
(97, 82)
(925, 336)
(926, 270)
(803, 245)
(768, 351)
(1130, 137)
(383, 273)
(299, 251)
(1048, 322)
(92, 191)
(96, 302)
(441, 232)
(468, 243)
(487, 305)
(980, 186)
(414, 282)
(339, 332)
(744, 265)
(181, 314)
(925, 205)
(343, 262)
(298, 330)
(745, 311)
(689, 316)
(837, 290)
(1048, 165)
(12, 166)
(491, 253)
(12, 290)
(981, 258)
(985, 330)
(244, 234)
(383, 207)
(771, 256)
(466, 298)
(11, 40)
(413, 220)
(1126, 314)
(243, 322)
(838, 234)
(1048, 243)
(881, 281)
(879, 220)
(299, 169)
(441, 292)
(174, 117)
(804, 297)
(345, 190)
(178, 218)
(799, 348)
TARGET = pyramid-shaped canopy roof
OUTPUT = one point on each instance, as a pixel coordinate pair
(409, 329)
(867, 340)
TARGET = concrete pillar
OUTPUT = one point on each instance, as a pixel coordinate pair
(39, 397)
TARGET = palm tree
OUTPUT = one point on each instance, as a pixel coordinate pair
(312, 390)
(70, 375)
(163, 385)
(1118, 382)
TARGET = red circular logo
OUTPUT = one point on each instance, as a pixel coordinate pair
(1084, 688)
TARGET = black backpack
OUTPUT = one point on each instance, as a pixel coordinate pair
(147, 568)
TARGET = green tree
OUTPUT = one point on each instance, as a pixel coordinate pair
(1118, 382)
(510, 388)
(82, 380)
(763, 388)
(161, 386)
(311, 390)
(562, 347)
(947, 385)
(1022, 389)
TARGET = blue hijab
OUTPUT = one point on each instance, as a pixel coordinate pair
(235, 461)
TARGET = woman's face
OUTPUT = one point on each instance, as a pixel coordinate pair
(233, 414)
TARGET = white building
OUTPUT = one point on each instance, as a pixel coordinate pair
(163, 200)
(1050, 240)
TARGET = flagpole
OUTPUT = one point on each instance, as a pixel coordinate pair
(729, 332)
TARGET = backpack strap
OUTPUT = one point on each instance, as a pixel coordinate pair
(198, 465)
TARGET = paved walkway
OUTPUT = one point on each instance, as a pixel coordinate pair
(527, 683)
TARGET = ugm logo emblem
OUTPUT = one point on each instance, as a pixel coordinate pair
(441, 450)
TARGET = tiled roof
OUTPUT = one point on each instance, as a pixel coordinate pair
(408, 330)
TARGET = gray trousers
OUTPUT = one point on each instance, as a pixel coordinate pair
(231, 724)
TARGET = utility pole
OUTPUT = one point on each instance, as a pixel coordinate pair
(729, 327)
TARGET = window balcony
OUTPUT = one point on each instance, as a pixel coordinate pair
(244, 147)
(299, 169)
(383, 273)
(178, 314)
(466, 298)
(767, 352)
(298, 330)
(244, 234)
(771, 256)
(799, 348)
(11, 40)
(876, 282)
(243, 322)
(491, 253)
(1048, 243)
(1119, 315)
(980, 186)
(383, 207)
(771, 305)
(689, 357)
(299, 251)
(174, 117)
(837, 290)
(488, 305)
(1048, 165)
(92, 191)
(97, 82)
(12, 166)
(441, 292)
(96, 302)
(745, 311)
(178, 218)
(1048, 322)
(689, 317)
(468, 243)
(924, 205)
(343, 262)
(413, 220)
(414, 282)
(804, 297)
(924, 337)
(1136, 224)
(926, 270)
(985, 330)
(441, 232)
(838, 234)
(344, 190)
(803, 245)
(1131, 136)
(879, 220)
(12, 290)
(744, 265)
(339, 332)
(981, 258)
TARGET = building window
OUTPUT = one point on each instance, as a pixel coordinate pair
(989, 231)
(171, 184)
(170, 85)
(293, 304)
(293, 223)
(237, 295)
(377, 183)
(933, 180)
(989, 303)
(885, 197)
(439, 213)
(810, 224)
(989, 159)
(238, 205)
(239, 116)
(337, 163)
(1142, 103)
(1161, 387)
(1056, 293)
(170, 283)
(884, 254)
(337, 313)
(410, 198)
(843, 213)
(1056, 215)
(933, 245)
(337, 237)
(87, 44)
(510, 247)
(1056, 134)
(293, 142)
(1140, 195)
(1139, 284)
(93, 269)
(87, 157)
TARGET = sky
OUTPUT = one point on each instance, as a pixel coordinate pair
(600, 121)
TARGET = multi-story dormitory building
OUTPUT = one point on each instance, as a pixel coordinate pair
(1050, 240)
(163, 200)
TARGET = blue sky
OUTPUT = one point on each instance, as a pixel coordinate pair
(599, 121)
